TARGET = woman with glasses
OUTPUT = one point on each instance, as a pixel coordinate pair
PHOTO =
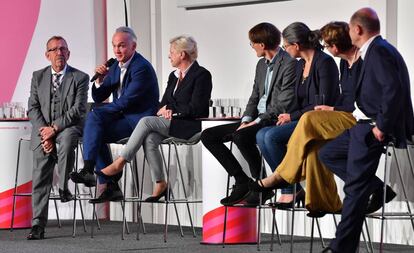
(316, 77)
(316, 127)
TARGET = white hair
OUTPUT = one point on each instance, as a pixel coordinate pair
(186, 44)
(125, 29)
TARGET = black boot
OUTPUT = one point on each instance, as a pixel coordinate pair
(85, 175)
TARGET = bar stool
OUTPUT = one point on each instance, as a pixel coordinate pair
(82, 196)
(134, 172)
(315, 218)
(383, 215)
(170, 199)
(259, 208)
(136, 191)
(53, 196)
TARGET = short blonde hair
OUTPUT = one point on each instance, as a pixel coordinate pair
(186, 44)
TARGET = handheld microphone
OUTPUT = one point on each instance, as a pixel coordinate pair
(109, 63)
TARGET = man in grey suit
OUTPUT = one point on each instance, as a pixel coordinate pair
(273, 94)
(56, 108)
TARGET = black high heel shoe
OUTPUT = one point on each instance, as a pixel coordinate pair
(257, 186)
(299, 201)
(156, 198)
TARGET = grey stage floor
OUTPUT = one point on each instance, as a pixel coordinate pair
(108, 239)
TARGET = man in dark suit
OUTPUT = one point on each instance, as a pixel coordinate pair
(273, 94)
(383, 112)
(134, 88)
(56, 108)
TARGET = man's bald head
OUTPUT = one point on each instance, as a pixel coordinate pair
(368, 19)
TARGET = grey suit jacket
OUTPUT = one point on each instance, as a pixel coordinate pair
(281, 90)
(73, 101)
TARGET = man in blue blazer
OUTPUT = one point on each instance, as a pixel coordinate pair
(133, 85)
(384, 112)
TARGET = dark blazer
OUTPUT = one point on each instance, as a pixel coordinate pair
(139, 95)
(383, 91)
(189, 102)
(281, 90)
(323, 78)
(72, 102)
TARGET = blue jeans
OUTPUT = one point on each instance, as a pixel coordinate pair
(272, 142)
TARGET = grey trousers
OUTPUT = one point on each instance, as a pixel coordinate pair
(149, 133)
(43, 166)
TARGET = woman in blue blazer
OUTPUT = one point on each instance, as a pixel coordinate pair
(317, 78)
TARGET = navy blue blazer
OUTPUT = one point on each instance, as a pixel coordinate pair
(189, 102)
(323, 78)
(139, 94)
(383, 91)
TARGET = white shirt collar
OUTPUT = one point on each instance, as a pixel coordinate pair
(363, 50)
(62, 73)
(177, 71)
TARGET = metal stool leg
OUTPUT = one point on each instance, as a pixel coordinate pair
(94, 214)
(371, 247)
(170, 195)
(57, 214)
(293, 218)
(320, 233)
(123, 203)
(402, 183)
(226, 212)
(383, 206)
(225, 207)
(184, 190)
(259, 207)
(312, 228)
(135, 182)
(15, 184)
(141, 194)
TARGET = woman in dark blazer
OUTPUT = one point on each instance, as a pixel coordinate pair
(186, 98)
(317, 78)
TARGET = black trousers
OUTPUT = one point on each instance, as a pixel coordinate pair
(245, 139)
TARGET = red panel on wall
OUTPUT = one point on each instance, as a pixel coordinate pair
(17, 24)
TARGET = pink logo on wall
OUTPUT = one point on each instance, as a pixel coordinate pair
(17, 23)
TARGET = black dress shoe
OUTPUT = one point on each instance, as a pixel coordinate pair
(253, 198)
(65, 196)
(83, 177)
(376, 199)
(156, 198)
(238, 193)
(37, 233)
(111, 193)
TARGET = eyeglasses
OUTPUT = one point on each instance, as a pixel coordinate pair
(55, 49)
(284, 47)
